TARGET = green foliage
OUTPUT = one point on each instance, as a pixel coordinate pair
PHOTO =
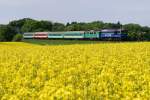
(7, 32)
(45, 25)
(17, 24)
(30, 26)
(74, 26)
(18, 37)
(58, 27)
(137, 32)
(2, 33)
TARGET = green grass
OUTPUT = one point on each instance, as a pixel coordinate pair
(64, 42)
(59, 42)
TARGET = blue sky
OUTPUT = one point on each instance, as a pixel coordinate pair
(125, 11)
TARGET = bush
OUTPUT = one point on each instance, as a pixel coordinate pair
(18, 37)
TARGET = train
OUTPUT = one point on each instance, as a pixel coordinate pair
(105, 34)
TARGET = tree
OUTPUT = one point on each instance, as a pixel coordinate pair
(18, 24)
(46, 25)
(96, 25)
(18, 37)
(58, 27)
(2, 33)
(68, 24)
(6, 33)
(30, 26)
(35, 26)
(134, 31)
(119, 25)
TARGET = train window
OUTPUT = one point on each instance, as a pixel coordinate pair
(115, 33)
(40, 34)
(54, 34)
(28, 34)
(74, 34)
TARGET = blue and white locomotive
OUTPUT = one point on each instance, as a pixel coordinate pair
(113, 34)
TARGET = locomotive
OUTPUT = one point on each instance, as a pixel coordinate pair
(105, 34)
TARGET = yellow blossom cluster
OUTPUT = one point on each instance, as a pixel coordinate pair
(100, 71)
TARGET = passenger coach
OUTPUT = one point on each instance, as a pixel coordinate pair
(41, 35)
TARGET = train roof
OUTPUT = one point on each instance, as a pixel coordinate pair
(63, 32)
(112, 30)
(68, 32)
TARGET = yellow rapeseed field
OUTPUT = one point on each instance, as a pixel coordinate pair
(100, 71)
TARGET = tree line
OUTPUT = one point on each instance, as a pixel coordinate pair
(14, 30)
